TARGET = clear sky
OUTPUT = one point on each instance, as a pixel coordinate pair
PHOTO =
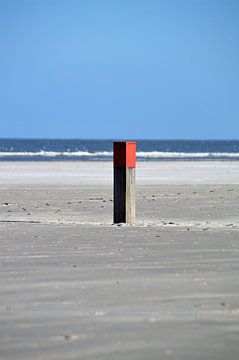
(161, 69)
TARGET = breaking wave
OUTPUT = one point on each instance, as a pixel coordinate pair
(108, 155)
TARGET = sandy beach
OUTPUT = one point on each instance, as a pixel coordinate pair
(75, 286)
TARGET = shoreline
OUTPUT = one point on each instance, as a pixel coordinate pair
(86, 173)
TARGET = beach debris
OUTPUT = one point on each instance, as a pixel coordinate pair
(9, 204)
(168, 223)
(70, 337)
(223, 304)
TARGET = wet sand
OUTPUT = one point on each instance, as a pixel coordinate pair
(75, 286)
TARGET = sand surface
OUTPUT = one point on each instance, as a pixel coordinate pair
(98, 173)
(74, 286)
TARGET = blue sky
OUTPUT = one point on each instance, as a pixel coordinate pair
(119, 69)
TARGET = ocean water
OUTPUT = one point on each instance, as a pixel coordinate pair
(98, 150)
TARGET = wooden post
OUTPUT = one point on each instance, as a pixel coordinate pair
(124, 182)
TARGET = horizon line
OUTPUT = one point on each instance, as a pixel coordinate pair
(120, 139)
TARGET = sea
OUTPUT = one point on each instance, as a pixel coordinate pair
(102, 150)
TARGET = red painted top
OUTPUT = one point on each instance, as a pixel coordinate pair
(125, 154)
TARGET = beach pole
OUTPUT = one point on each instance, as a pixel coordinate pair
(124, 181)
